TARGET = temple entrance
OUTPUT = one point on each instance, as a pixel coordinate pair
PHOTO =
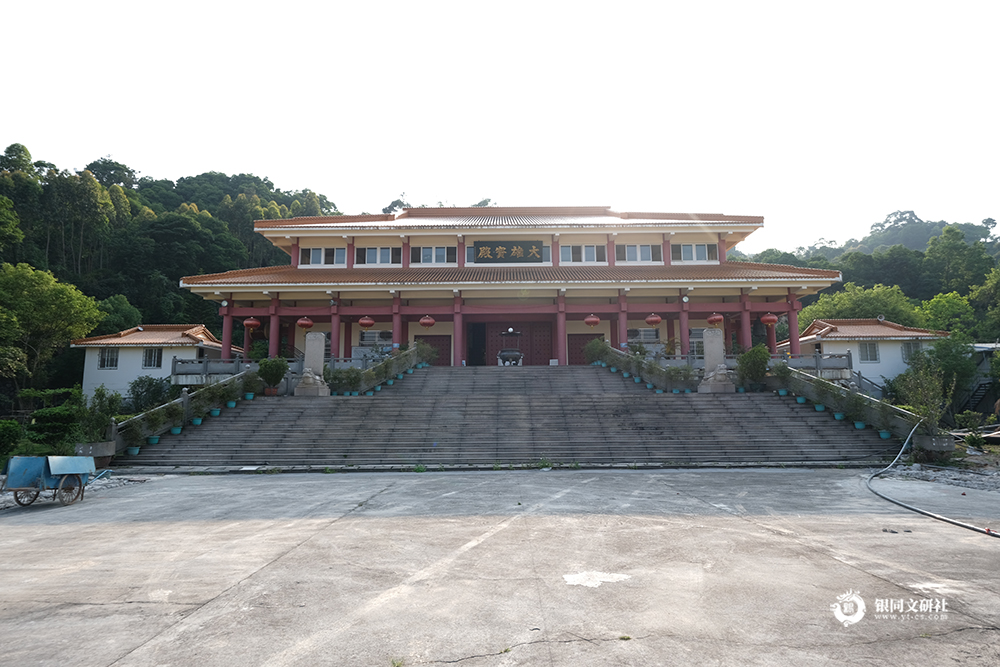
(475, 336)
(536, 341)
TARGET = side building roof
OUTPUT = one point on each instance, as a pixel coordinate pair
(155, 335)
(864, 329)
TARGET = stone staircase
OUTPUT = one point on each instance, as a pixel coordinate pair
(488, 417)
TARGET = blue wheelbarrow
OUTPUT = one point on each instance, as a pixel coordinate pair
(65, 476)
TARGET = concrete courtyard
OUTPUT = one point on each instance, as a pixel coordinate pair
(708, 567)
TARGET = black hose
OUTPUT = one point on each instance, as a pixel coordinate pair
(960, 524)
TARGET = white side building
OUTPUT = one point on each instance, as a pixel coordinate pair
(878, 348)
(115, 360)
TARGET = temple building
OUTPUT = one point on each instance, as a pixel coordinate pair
(459, 277)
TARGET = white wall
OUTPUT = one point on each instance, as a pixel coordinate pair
(890, 358)
(129, 368)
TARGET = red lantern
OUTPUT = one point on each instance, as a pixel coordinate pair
(769, 320)
(653, 320)
(715, 319)
(591, 320)
(427, 321)
(366, 323)
(304, 323)
(251, 323)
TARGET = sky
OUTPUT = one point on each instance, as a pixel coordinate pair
(821, 117)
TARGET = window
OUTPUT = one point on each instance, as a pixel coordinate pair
(152, 357)
(638, 253)
(696, 342)
(694, 252)
(321, 256)
(392, 255)
(434, 254)
(646, 336)
(868, 351)
(108, 358)
(583, 253)
(374, 338)
(910, 347)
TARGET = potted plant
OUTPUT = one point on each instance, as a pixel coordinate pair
(174, 415)
(230, 393)
(884, 420)
(272, 372)
(751, 367)
(352, 379)
(783, 373)
(855, 409)
(152, 422)
(132, 435)
(251, 384)
(822, 388)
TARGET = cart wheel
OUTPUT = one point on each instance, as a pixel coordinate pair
(25, 498)
(70, 489)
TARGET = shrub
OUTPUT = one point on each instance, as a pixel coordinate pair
(10, 434)
(272, 371)
(595, 350)
(97, 417)
(751, 366)
(146, 392)
(55, 426)
(252, 383)
(258, 350)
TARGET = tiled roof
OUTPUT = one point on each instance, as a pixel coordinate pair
(154, 335)
(728, 271)
(857, 329)
(506, 218)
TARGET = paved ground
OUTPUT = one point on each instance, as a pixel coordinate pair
(508, 568)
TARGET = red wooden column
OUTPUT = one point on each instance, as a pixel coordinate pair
(611, 250)
(722, 248)
(670, 330)
(746, 338)
(227, 334)
(622, 318)
(274, 331)
(685, 329)
(350, 254)
(772, 339)
(561, 354)
(397, 322)
(459, 338)
(461, 252)
(295, 253)
(555, 250)
(347, 339)
(334, 333)
(793, 323)
(406, 260)
(247, 342)
(667, 258)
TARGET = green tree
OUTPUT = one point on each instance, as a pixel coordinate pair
(10, 224)
(985, 300)
(856, 302)
(957, 265)
(953, 356)
(948, 312)
(17, 158)
(108, 173)
(119, 315)
(46, 315)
